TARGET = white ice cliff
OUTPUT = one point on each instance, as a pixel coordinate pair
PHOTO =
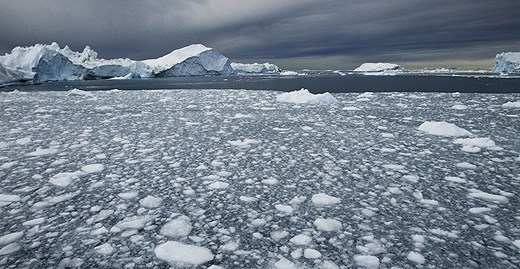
(507, 63)
(379, 67)
(265, 68)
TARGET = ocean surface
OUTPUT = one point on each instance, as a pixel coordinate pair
(316, 82)
(159, 175)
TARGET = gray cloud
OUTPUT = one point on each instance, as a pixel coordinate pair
(303, 30)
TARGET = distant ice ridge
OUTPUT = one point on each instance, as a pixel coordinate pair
(380, 67)
(265, 68)
(43, 63)
(193, 60)
(303, 96)
(507, 63)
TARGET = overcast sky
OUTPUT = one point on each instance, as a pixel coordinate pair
(290, 33)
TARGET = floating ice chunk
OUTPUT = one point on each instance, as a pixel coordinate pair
(367, 212)
(23, 141)
(512, 104)
(277, 235)
(286, 209)
(177, 252)
(310, 253)
(465, 165)
(33, 222)
(66, 178)
(243, 143)
(229, 246)
(474, 144)
(128, 195)
(178, 227)
(303, 96)
(322, 199)
(105, 249)
(443, 129)
(10, 198)
(416, 257)
(479, 210)
(411, 178)
(78, 92)
(516, 243)
(394, 166)
(218, 185)
(93, 168)
(328, 225)
(134, 222)
(301, 239)
(351, 108)
(418, 238)
(8, 165)
(459, 107)
(10, 238)
(288, 73)
(270, 181)
(150, 201)
(455, 179)
(367, 261)
(42, 152)
(283, 263)
(487, 196)
(248, 199)
(13, 247)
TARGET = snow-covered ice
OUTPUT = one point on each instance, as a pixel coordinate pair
(233, 178)
(379, 67)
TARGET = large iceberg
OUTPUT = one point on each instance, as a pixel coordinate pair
(379, 67)
(193, 60)
(265, 68)
(8, 75)
(507, 63)
(45, 61)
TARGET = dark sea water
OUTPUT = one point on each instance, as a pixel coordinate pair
(316, 83)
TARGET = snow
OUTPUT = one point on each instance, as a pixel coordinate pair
(511, 104)
(176, 252)
(328, 225)
(179, 227)
(507, 63)
(303, 96)
(379, 67)
(323, 199)
(443, 128)
(265, 68)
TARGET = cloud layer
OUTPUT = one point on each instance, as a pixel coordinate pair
(305, 31)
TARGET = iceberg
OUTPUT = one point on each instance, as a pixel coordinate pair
(265, 68)
(379, 67)
(193, 60)
(45, 61)
(507, 63)
(8, 75)
(303, 96)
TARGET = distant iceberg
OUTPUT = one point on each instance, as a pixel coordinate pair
(507, 63)
(379, 67)
(256, 68)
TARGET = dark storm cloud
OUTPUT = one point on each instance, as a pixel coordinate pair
(404, 30)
